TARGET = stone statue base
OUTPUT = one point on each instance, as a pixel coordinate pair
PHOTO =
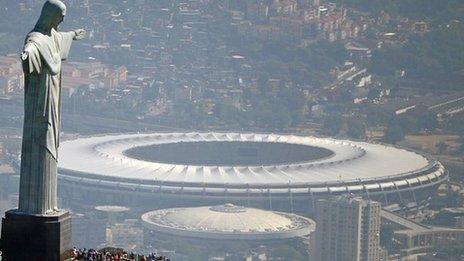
(36, 237)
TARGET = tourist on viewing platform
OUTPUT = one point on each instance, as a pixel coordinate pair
(115, 254)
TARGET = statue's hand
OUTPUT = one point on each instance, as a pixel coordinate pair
(25, 53)
(79, 34)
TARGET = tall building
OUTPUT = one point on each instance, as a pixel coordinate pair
(347, 229)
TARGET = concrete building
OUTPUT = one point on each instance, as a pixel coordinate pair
(347, 229)
(235, 232)
(411, 238)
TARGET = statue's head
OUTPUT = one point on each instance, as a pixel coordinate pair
(52, 15)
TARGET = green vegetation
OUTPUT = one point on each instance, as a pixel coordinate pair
(394, 134)
(287, 252)
(434, 60)
(416, 123)
(441, 147)
(356, 130)
(377, 115)
(304, 65)
(272, 116)
(332, 125)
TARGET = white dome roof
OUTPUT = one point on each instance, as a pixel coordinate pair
(228, 222)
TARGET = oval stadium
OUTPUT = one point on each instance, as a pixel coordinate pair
(271, 171)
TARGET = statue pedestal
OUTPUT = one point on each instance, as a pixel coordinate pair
(36, 237)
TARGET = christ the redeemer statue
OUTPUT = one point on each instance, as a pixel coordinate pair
(37, 230)
(44, 50)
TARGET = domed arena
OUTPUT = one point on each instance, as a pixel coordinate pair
(271, 171)
(212, 230)
(227, 222)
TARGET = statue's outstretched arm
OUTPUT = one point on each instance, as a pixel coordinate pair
(79, 34)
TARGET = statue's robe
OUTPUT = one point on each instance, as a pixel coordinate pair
(42, 72)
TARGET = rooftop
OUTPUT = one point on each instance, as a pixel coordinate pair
(106, 157)
(228, 222)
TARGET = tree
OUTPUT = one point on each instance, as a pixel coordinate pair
(441, 147)
(356, 130)
(428, 121)
(272, 116)
(374, 93)
(295, 102)
(377, 115)
(263, 83)
(332, 125)
(393, 134)
(408, 123)
(433, 60)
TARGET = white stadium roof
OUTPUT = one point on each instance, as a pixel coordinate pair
(227, 222)
(358, 163)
